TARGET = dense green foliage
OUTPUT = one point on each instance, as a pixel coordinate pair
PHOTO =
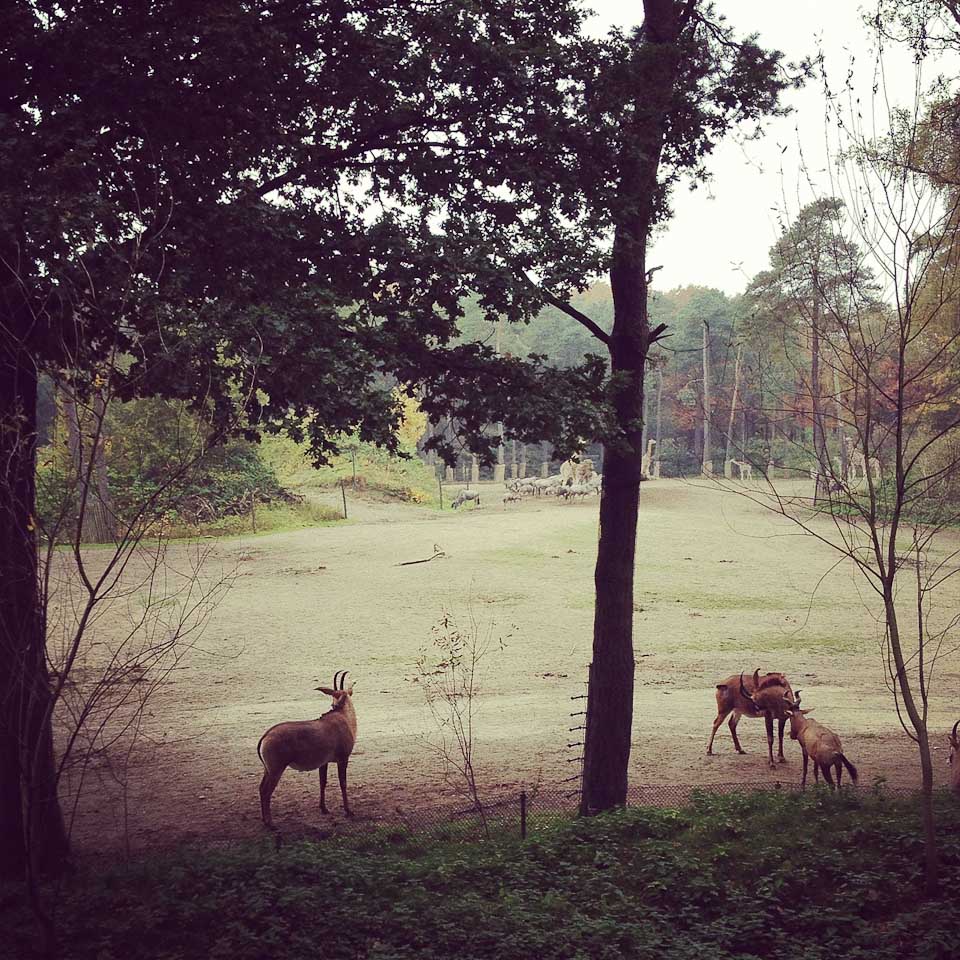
(363, 467)
(745, 875)
(157, 468)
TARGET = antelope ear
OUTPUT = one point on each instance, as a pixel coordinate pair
(805, 712)
(329, 691)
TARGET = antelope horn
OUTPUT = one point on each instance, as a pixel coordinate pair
(343, 678)
(953, 733)
(743, 690)
(336, 680)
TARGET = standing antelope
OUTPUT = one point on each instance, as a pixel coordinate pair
(764, 701)
(954, 759)
(820, 743)
(311, 745)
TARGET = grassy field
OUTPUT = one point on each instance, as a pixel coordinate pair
(722, 586)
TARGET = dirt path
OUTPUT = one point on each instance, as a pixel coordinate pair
(721, 587)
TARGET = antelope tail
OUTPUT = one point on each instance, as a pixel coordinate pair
(259, 754)
(851, 769)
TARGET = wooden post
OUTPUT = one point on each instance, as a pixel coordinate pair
(440, 488)
(343, 493)
(523, 814)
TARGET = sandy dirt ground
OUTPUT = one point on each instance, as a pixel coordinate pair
(722, 586)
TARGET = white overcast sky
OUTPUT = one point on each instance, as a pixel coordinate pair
(720, 235)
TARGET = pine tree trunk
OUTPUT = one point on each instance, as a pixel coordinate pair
(841, 446)
(728, 453)
(819, 437)
(707, 457)
(659, 450)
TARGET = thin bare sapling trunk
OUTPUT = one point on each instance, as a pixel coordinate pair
(450, 678)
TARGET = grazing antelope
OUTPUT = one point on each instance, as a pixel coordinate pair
(740, 699)
(311, 745)
(820, 743)
(463, 496)
(954, 759)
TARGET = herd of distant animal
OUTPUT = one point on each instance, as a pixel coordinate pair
(577, 479)
(314, 744)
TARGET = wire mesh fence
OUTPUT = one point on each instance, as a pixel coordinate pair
(525, 812)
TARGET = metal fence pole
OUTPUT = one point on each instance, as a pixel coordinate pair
(584, 799)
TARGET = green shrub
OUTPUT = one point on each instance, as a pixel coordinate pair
(745, 875)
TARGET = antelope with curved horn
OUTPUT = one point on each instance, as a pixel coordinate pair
(820, 743)
(954, 759)
(733, 697)
(311, 745)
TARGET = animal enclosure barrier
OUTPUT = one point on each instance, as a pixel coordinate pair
(525, 813)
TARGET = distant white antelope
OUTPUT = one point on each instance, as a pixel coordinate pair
(311, 745)
(646, 461)
(745, 469)
(463, 496)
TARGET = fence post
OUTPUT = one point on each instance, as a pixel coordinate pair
(440, 487)
(523, 814)
(343, 493)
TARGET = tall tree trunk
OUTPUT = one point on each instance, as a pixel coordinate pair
(659, 450)
(728, 452)
(841, 446)
(610, 694)
(645, 436)
(707, 460)
(31, 824)
(816, 406)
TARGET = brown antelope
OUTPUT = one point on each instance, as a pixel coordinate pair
(740, 698)
(311, 745)
(954, 758)
(820, 743)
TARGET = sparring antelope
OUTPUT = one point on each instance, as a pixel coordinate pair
(311, 745)
(756, 697)
(954, 758)
(819, 743)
